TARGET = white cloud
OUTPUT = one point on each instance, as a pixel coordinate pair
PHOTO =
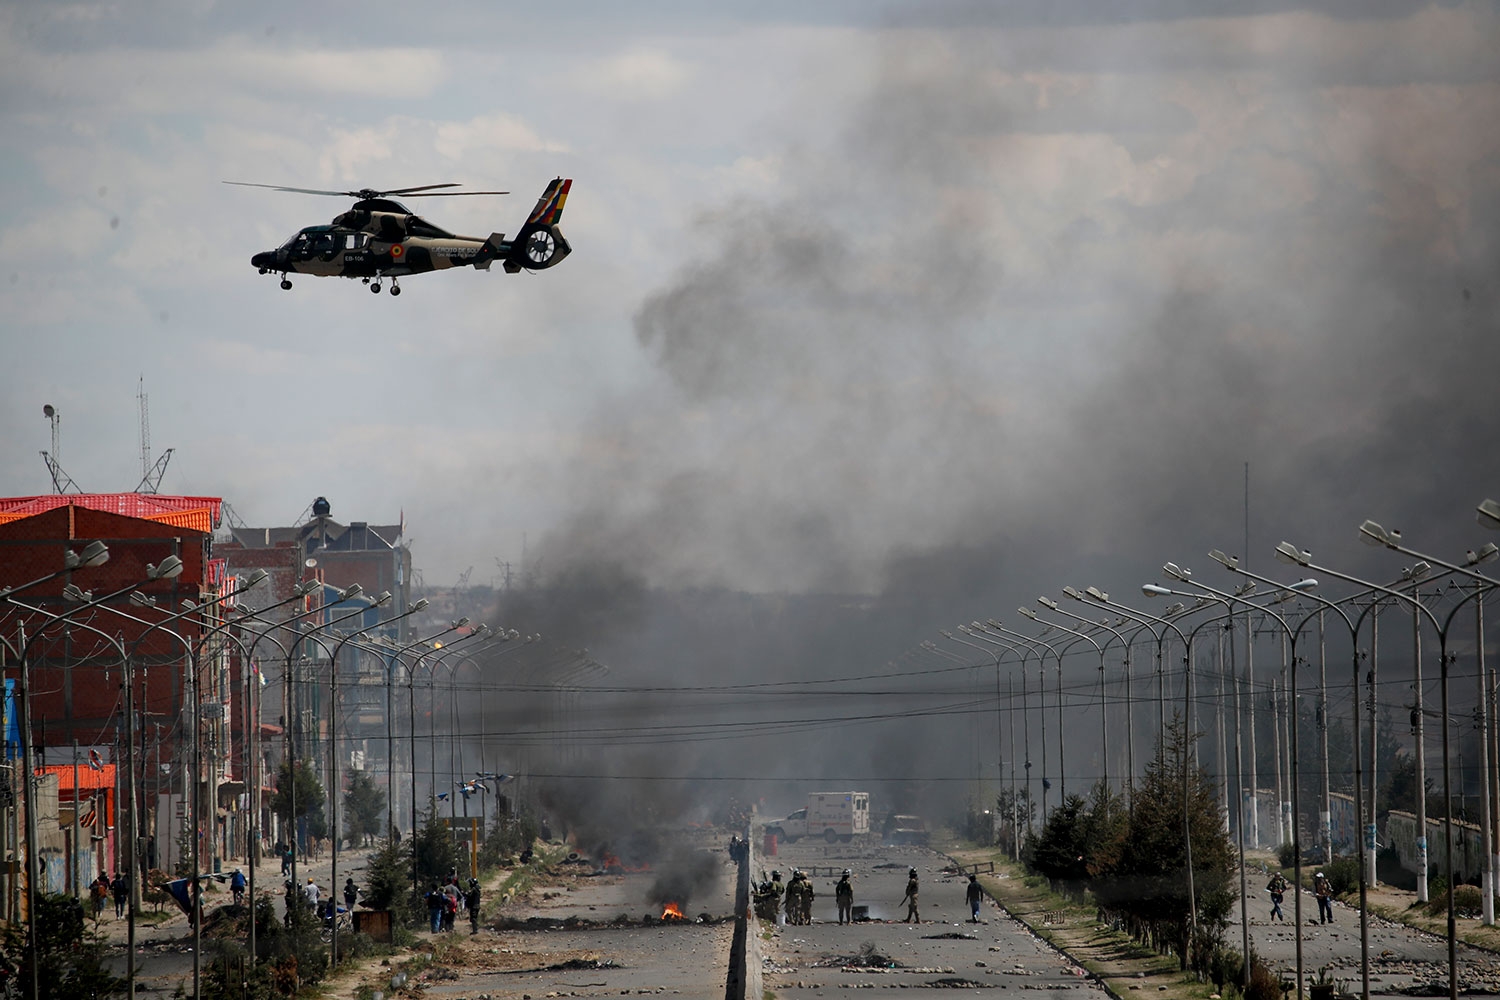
(638, 74)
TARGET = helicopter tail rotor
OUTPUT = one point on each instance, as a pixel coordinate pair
(540, 244)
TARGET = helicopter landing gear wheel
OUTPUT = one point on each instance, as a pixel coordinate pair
(286, 285)
(375, 287)
(365, 280)
(395, 288)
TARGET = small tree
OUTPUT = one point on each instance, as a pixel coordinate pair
(364, 808)
(1060, 852)
(1149, 880)
(506, 836)
(387, 883)
(434, 849)
(299, 797)
(70, 961)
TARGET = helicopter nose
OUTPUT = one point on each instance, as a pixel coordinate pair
(265, 260)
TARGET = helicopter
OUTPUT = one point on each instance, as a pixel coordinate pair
(379, 238)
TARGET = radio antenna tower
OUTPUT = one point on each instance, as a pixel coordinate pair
(150, 473)
(61, 481)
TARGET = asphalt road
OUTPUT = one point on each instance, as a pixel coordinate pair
(586, 934)
(934, 957)
(1402, 959)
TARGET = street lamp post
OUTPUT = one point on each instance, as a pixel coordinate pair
(1008, 699)
(1373, 534)
(1287, 552)
(194, 799)
(1103, 694)
(333, 741)
(1056, 608)
(168, 568)
(984, 634)
(1036, 642)
(1175, 572)
(999, 735)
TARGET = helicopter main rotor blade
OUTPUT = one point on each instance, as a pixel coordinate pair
(420, 187)
(420, 191)
(278, 187)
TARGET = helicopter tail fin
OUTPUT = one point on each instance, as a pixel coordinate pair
(549, 207)
(540, 244)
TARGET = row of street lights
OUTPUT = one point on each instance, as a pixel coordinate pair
(1020, 648)
(217, 624)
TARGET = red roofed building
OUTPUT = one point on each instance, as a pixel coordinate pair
(77, 668)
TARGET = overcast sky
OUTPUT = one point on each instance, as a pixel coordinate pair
(851, 286)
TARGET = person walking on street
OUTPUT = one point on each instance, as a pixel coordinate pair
(471, 900)
(310, 894)
(794, 898)
(98, 893)
(1277, 887)
(974, 894)
(351, 894)
(435, 902)
(450, 905)
(911, 898)
(119, 889)
(237, 887)
(843, 895)
(1324, 894)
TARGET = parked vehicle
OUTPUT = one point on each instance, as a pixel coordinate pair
(834, 816)
(906, 829)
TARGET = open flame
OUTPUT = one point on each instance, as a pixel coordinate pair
(612, 864)
(671, 911)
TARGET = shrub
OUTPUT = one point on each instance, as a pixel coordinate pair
(1286, 855)
(508, 835)
(1264, 984)
(1343, 875)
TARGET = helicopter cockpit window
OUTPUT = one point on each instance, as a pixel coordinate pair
(324, 243)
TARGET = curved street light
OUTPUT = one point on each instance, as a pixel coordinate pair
(169, 568)
(1173, 571)
(1015, 837)
(1036, 642)
(1103, 698)
(977, 631)
(1373, 534)
(194, 797)
(95, 553)
(1056, 608)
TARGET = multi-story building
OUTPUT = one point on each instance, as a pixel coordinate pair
(76, 636)
(303, 700)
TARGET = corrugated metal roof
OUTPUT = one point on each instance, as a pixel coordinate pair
(195, 513)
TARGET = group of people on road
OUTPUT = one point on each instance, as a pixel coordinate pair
(798, 896)
(446, 900)
(103, 887)
(1322, 892)
(799, 899)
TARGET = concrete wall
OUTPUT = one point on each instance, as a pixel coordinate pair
(743, 978)
(1468, 854)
